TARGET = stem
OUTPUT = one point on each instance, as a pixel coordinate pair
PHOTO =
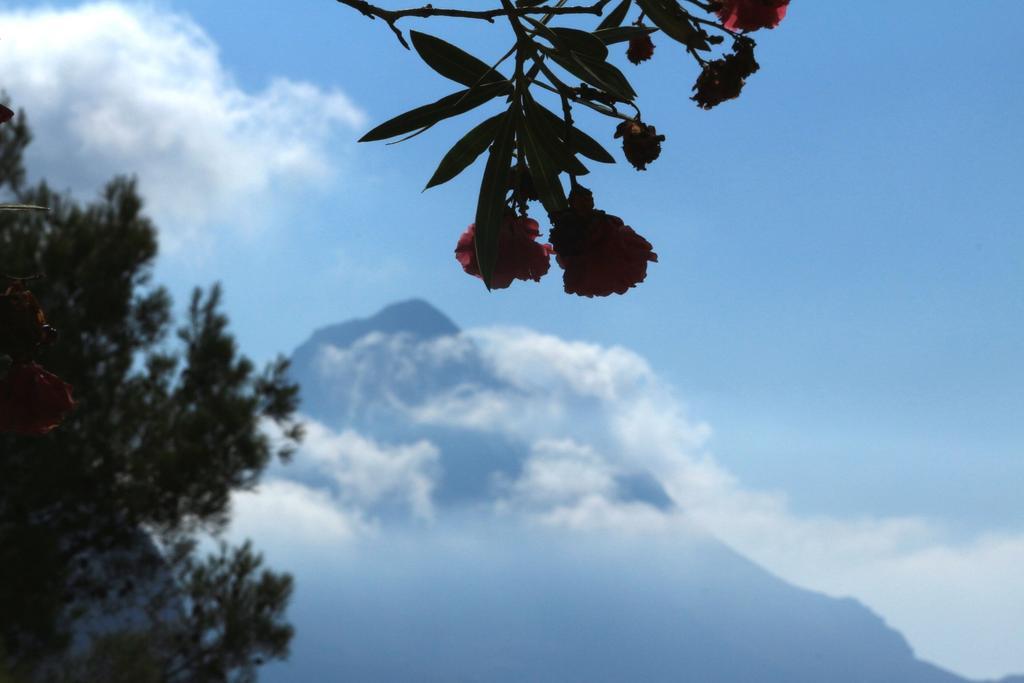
(26, 278)
(562, 87)
(717, 26)
(521, 85)
(567, 113)
(391, 17)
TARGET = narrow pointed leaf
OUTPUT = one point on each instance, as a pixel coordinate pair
(551, 130)
(490, 207)
(542, 29)
(609, 36)
(581, 41)
(673, 20)
(575, 166)
(608, 74)
(589, 147)
(616, 16)
(568, 40)
(544, 167)
(576, 67)
(465, 151)
(429, 114)
(453, 62)
(579, 141)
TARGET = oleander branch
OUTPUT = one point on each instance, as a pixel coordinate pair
(391, 17)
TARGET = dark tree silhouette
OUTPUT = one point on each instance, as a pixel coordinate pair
(99, 519)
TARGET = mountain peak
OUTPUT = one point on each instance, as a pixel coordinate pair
(413, 316)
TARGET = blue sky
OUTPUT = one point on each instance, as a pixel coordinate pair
(840, 285)
(840, 276)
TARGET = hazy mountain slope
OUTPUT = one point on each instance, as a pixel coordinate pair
(540, 610)
(488, 599)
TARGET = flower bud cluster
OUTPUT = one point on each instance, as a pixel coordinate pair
(723, 79)
(640, 143)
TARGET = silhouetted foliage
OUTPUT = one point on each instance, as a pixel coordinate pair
(530, 147)
(101, 516)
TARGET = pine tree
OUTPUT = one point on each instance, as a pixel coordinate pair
(164, 430)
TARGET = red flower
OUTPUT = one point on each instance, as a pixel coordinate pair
(641, 48)
(520, 255)
(750, 15)
(32, 400)
(599, 253)
(5, 114)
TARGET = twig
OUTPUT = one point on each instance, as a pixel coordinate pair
(567, 114)
(391, 17)
(599, 108)
(22, 207)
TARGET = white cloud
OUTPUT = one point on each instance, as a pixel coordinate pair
(562, 472)
(282, 512)
(369, 474)
(536, 362)
(112, 88)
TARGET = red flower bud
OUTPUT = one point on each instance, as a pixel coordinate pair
(520, 255)
(751, 15)
(641, 48)
(640, 143)
(5, 114)
(32, 400)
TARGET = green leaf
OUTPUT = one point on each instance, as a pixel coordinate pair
(579, 141)
(465, 151)
(568, 40)
(573, 63)
(609, 36)
(544, 167)
(452, 62)
(542, 30)
(670, 18)
(580, 41)
(429, 114)
(551, 131)
(490, 207)
(589, 147)
(610, 75)
(616, 16)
